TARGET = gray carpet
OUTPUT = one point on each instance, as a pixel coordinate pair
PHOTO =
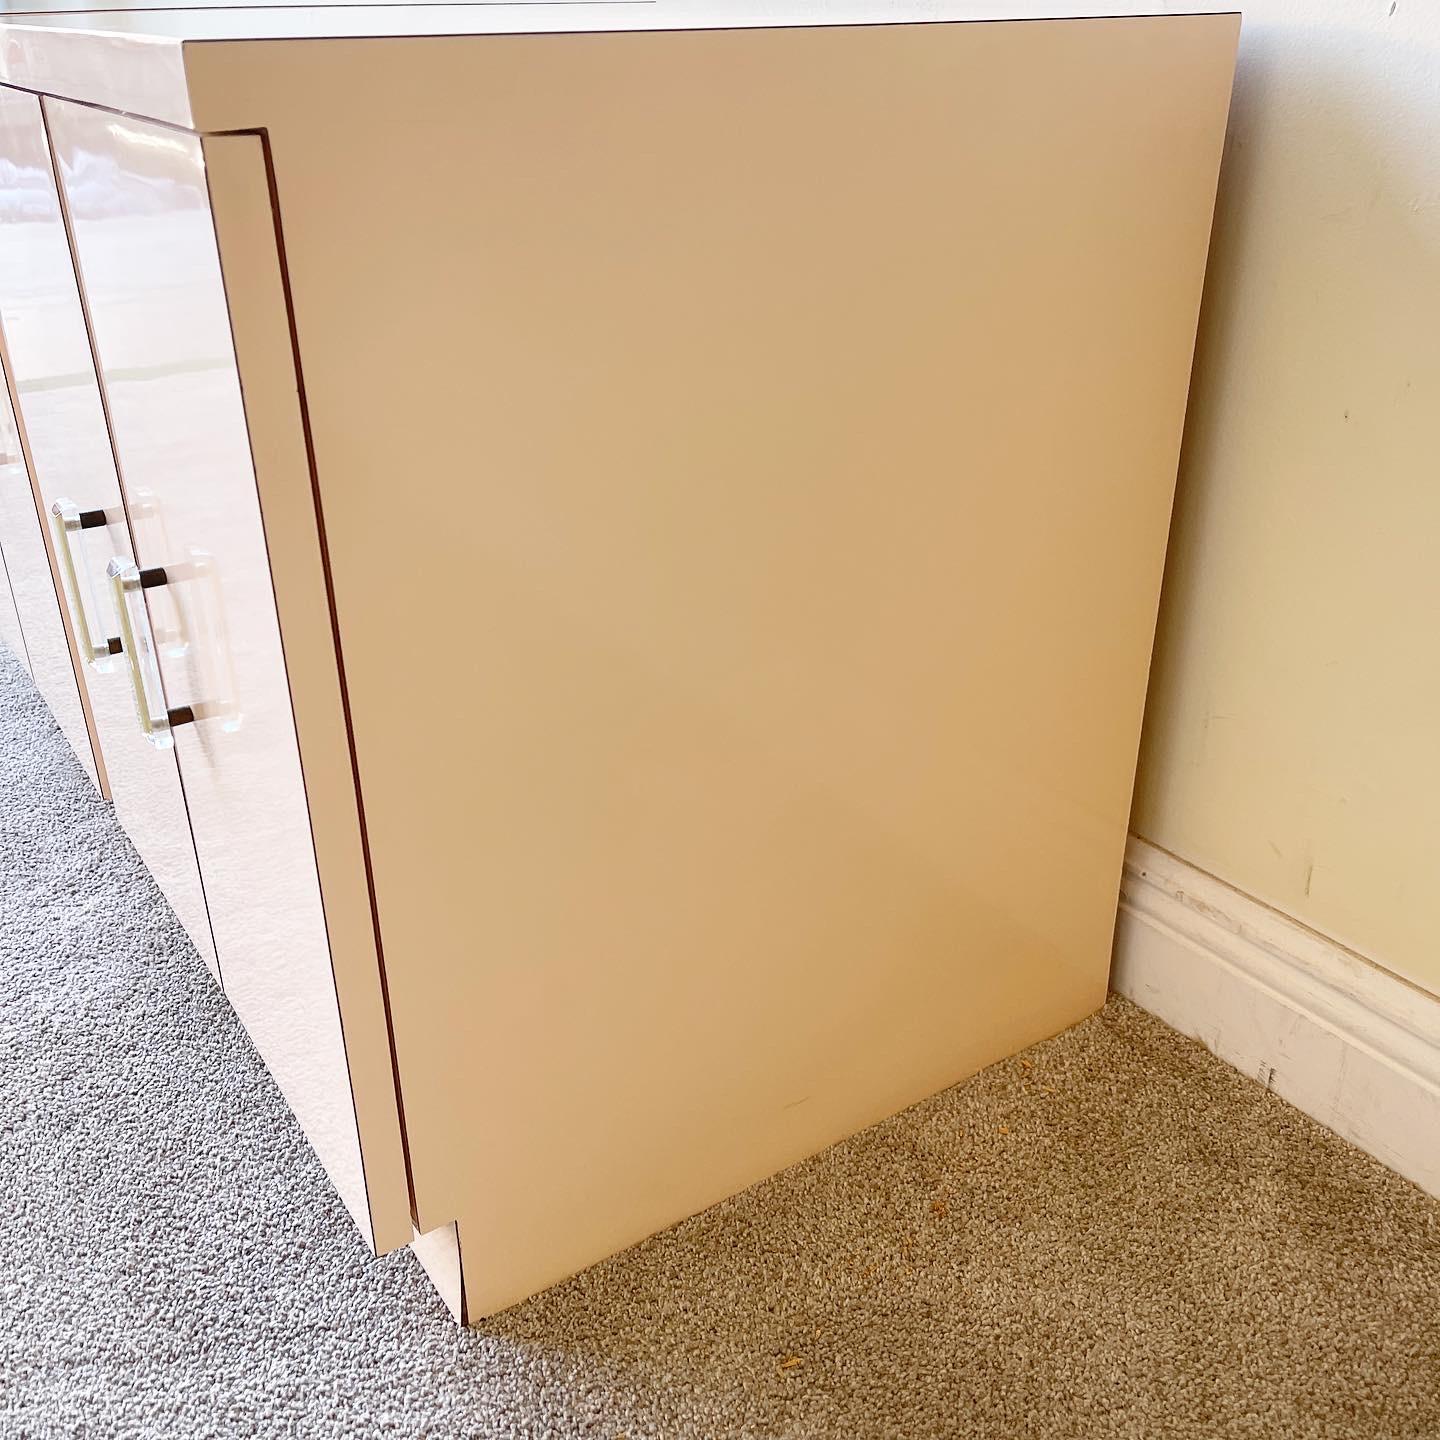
(1114, 1235)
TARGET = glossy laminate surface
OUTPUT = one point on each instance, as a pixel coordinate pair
(746, 523)
(745, 452)
(34, 577)
(12, 636)
(145, 248)
(33, 588)
(60, 405)
(259, 321)
(26, 589)
(135, 57)
(262, 19)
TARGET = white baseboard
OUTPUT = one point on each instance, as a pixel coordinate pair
(1348, 1043)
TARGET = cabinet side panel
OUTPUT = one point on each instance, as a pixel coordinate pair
(245, 229)
(747, 459)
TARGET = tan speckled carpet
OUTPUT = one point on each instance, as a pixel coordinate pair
(1113, 1235)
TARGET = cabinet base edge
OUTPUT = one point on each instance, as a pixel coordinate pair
(438, 1252)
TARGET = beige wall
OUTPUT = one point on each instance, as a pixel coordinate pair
(1293, 739)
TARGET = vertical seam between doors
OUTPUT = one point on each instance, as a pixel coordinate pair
(100, 388)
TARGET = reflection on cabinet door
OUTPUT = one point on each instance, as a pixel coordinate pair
(63, 422)
(12, 469)
(12, 636)
(145, 250)
(47, 648)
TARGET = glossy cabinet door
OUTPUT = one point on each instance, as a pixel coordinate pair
(12, 633)
(146, 254)
(11, 636)
(24, 551)
(32, 586)
(62, 418)
(12, 472)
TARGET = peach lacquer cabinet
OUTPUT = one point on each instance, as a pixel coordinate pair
(606, 555)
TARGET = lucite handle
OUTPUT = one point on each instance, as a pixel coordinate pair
(157, 723)
(67, 520)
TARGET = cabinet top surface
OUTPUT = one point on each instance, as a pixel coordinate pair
(202, 20)
(152, 59)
